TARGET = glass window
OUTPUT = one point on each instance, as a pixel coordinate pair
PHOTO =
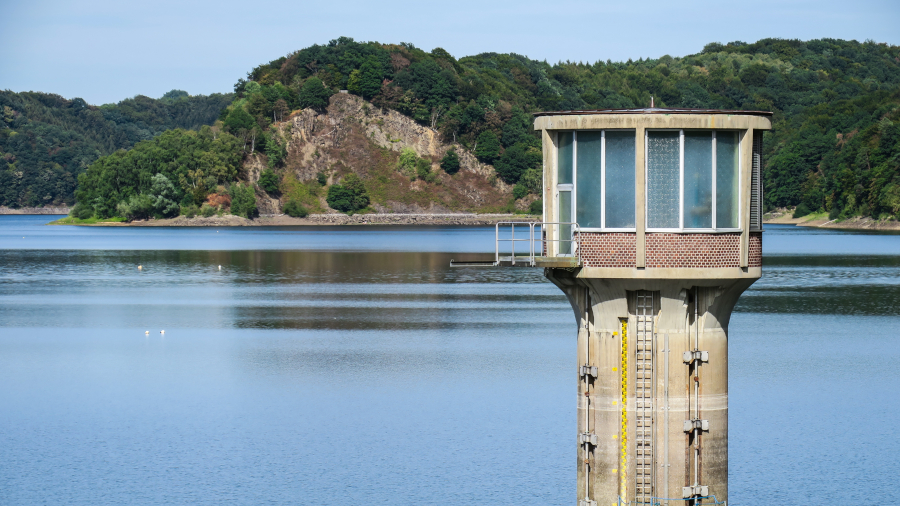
(565, 215)
(698, 180)
(619, 179)
(727, 178)
(588, 178)
(706, 166)
(564, 158)
(692, 179)
(663, 179)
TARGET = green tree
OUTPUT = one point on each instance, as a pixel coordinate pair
(519, 191)
(314, 94)
(243, 201)
(423, 170)
(295, 209)
(268, 181)
(138, 207)
(164, 197)
(890, 198)
(533, 180)
(260, 108)
(81, 211)
(348, 197)
(516, 161)
(276, 152)
(238, 120)
(518, 129)
(407, 162)
(450, 162)
(370, 78)
(487, 147)
(353, 83)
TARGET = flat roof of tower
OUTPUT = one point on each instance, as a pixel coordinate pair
(653, 110)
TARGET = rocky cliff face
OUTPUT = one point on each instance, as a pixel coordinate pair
(354, 136)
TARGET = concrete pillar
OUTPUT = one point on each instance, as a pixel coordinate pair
(640, 196)
(688, 315)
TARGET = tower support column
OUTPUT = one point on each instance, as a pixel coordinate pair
(652, 376)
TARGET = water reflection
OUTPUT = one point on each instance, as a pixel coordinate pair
(300, 376)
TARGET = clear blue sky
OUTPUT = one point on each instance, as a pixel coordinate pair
(105, 50)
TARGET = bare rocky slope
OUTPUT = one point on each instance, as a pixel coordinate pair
(355, 136)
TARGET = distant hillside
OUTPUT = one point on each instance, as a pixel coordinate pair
(833, 147)
(47, 140)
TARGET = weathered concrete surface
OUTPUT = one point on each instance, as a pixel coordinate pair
(628, 121)
(600, 307)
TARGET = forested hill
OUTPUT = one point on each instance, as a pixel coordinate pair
(835, 145)
(47, 140)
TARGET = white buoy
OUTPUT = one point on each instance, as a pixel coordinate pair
(220, 267)
(140, 267)
(146, 332)
(162, 331)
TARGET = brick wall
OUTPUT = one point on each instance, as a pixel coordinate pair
(693, 250)
(615, 249)
(755, 253)
(663, 250)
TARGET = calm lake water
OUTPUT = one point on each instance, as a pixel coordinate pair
(353, 366)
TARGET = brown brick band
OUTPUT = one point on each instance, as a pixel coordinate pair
(615, 249)
(665, 250)
(755, 253)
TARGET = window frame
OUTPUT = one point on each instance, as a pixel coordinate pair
(681, 228)
(574, 186)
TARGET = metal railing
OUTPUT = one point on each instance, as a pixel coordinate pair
(566, 235)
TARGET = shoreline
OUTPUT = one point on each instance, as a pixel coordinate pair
(282, 220)
(778, 217)
(36, 210)
(784, 217)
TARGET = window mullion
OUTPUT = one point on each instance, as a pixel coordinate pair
(603, 179)
(715, 195)
(574, 176)
(681, 181)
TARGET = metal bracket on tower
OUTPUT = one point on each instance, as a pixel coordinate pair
(696, 490)
(587, 370)
(589, 438)
(695, 356)
(696, 424)
(587, 502)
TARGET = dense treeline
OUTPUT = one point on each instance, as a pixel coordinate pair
(842, 157)
(179, 168)
(47, 140)
(833, 147)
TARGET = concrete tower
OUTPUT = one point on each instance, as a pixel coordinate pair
(653, 229)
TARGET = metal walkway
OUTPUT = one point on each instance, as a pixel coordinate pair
(554, 245)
